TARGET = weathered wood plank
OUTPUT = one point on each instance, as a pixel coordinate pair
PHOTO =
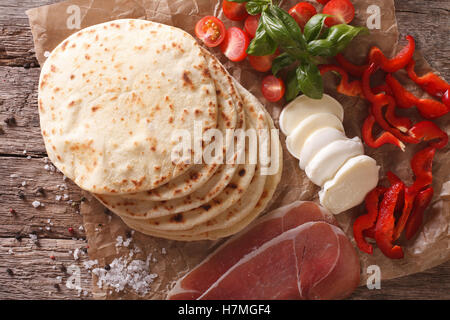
(34, 273)
(431, 284)
(62, 215)
(18, 99)
(428, 22)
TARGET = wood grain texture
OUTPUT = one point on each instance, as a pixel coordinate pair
(34, 273)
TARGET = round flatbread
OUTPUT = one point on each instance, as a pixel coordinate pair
(256, 120)
(108, 104)
(138, 205)
(232, 221)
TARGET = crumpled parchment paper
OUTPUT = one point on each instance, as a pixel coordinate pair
(171, 259)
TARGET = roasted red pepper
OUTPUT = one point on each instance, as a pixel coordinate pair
(430, 82)
(427, 131)
(384, 138)
(352, 89)
(353, 69)
(398, 62)
(383, 88)
(446, 98)
(428, 108)
(368, 220)
(422, 165)
(421, 203)
(384, 228)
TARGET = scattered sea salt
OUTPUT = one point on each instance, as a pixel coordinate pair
(76, 254)
(81, 228)
(66, 196)
(24, 151)
(134, 275)
(35, 203)
(89, 264)
(58, 198)
(29, 157)
(14, 175)
(24, 183)
(47, 54)
(10, 251)
(163, 251)
(33, 237)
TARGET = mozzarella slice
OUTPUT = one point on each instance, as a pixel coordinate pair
(303, 106)
(316, 141)
(357, 177)
(296, 140)
(327, 161)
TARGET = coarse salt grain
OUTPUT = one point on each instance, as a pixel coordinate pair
(134, 275)
(35, 203)
(58, 198)
(24, 183)
(163, 251)
(76, 254)
(89, 264)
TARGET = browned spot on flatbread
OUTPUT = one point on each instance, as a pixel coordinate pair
(177, 218)
(187, 80)
(95, 108)
(206, 207)
(241, 172)
(139, 182)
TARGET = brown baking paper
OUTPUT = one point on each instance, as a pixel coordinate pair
(171, 259)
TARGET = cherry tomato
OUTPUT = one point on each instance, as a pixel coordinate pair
(234, 11)
(324, 2)
(302, 12)
(263, 63)
(235, 45)
(273, 88)
(211, 31)
(446, 98)
(251, 24)
(342, 10)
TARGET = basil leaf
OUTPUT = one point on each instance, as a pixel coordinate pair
(309, 80)
(262, 44)
(277, 30)
(292, 88)
(342, 34)
(337, 39)
(290, 24)
(314, 26)
(282, 61)
(255, 7)
(322, 47)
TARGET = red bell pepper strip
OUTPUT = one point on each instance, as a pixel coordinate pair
(381, 100)
(384, 229)
(428, 108)
(430, 82)
(421, 203)
(426, 131)
(392, 177)
(353, 69)
(398, 62)
(369, 233)
(383, 88)
(384, 138)
(352, 89)
(421, 164)
(368, 220)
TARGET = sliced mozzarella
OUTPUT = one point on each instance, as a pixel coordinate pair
(349, 187)
(308, 126)
(303, 106)
(316, 141)
(327, 161)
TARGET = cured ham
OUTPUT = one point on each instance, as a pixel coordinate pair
(295, 252)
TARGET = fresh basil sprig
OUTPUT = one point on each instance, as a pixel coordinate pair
(277, 28)
(337, 39)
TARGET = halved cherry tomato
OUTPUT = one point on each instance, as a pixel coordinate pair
(235, 45)
(342, 11)
(263, 63)
(251, 24)
(324, 2)
(234, 11)
(273, 88)
(302, 12)
(211, 31)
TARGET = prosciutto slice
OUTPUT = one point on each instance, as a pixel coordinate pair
(295, 252)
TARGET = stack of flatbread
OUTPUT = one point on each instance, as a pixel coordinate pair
(130, 110)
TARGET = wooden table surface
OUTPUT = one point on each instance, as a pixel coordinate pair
(26, 268)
